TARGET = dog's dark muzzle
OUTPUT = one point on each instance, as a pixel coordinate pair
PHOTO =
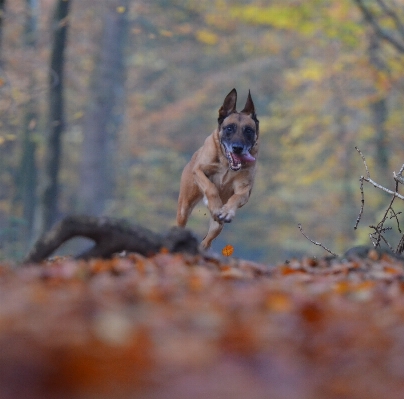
(237, 148)
(236, 155)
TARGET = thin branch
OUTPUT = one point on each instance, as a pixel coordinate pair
(364, 162)
(389, 12)
(400, 246)
(379, 237)
(386, 190)
(399, 176)
(389, 208)
(380, 229)
(362, 205)
(394, 215)
(314, 242)
(370, 18)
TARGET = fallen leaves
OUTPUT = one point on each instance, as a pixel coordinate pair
(188, 326)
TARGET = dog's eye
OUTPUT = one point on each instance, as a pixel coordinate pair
(228, 130)
(249, 133)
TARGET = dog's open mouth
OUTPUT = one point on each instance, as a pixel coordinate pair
(236, 160)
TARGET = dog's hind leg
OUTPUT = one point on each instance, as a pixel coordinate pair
(185, 207)
(214, 230)
(188, 197)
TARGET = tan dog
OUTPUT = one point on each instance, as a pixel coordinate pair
(222, 171)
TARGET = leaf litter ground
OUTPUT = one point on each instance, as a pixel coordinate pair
(179, 326)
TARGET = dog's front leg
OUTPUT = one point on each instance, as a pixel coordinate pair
(237, 200)
(209, 191)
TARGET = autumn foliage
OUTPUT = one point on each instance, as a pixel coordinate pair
(188, 326)
(322, 80)
(196, 326)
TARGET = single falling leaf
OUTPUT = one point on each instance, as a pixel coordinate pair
(228, 250)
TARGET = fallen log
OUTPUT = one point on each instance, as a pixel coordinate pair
(111, 236)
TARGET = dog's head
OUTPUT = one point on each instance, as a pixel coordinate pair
(238, 131)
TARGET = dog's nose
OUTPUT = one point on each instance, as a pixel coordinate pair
(237, 148)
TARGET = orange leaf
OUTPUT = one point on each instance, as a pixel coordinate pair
(228, 250)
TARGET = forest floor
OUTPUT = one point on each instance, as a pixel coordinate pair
(181, 326)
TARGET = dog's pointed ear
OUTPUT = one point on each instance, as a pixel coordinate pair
(249, 108)
(228, 107)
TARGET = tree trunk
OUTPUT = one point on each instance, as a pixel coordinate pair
(2, 11)
(27, 175)
(347, 196)
(28, 168)
(103, 116)
(49, 205)
(379, 111)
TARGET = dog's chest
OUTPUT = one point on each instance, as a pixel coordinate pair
(224, 181)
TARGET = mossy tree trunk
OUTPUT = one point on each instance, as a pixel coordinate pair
(50, 194)
(103, 115)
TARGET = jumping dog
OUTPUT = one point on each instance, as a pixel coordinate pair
(222, 171)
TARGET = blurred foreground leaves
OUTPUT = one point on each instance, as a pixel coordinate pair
(187, 326)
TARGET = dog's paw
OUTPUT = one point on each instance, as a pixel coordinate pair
(225, 215)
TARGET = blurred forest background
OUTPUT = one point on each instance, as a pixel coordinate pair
(102, 103)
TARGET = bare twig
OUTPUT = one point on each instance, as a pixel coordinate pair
(391, 14)
(394, 215)
(400, 246)
(364, 162)
(314, 242)
(362, 205)
(386, 190)
(379, 237)
(369, 180)
(361, 188)
(389, 208)
(382, 33)
(379, 230)
(399, 176)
